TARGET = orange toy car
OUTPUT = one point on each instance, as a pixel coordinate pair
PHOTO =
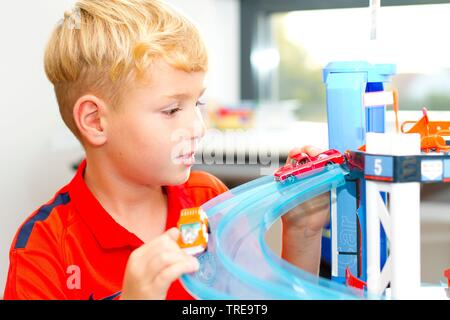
(194, 230)
(432, 133)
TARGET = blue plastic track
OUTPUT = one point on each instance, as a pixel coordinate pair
(239, 265)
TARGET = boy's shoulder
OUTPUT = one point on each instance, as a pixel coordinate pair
(48, 221)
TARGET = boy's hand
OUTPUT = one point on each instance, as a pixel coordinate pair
(154, 266)
(302, 226)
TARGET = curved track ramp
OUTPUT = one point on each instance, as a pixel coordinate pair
(238, 263)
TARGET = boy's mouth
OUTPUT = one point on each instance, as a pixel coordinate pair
(187, 159)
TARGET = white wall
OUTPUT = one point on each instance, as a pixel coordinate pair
(218, 21)
(36, 149)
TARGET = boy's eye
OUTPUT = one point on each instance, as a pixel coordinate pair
(171, 112)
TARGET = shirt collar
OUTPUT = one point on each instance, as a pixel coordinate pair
(106, 230)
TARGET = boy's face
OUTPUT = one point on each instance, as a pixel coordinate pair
(152, 136)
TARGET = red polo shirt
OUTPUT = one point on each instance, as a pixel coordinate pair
(71, 248)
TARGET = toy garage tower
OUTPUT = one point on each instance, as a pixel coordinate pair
(348, 122)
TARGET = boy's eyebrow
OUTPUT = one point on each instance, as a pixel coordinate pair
(185, 95)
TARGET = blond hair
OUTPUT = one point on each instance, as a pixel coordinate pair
(103, 45)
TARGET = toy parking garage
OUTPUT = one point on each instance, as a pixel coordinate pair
(374, 180)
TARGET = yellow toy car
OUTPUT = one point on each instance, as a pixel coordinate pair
(194, 230)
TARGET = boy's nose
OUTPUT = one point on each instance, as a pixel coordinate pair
(198, 126)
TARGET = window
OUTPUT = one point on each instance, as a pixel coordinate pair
(189, 232)
(294, 40)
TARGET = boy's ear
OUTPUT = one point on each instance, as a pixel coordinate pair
(89, 114)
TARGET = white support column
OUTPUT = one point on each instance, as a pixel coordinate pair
(373, 238)
(403, 221)
(334, 235)
(405, 240)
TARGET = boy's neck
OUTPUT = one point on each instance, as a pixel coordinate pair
(131, 205)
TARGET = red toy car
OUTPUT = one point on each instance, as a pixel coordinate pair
(302, 163)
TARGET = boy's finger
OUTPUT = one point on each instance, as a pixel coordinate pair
(166, 242)
(173, 233)
(310, 150)
(165, 260)
(167, 276)
(292, 153)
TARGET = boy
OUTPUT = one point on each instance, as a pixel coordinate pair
(128, 76)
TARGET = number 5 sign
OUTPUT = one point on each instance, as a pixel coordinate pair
(379, 168)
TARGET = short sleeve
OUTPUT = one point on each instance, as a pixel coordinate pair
(36, 272)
